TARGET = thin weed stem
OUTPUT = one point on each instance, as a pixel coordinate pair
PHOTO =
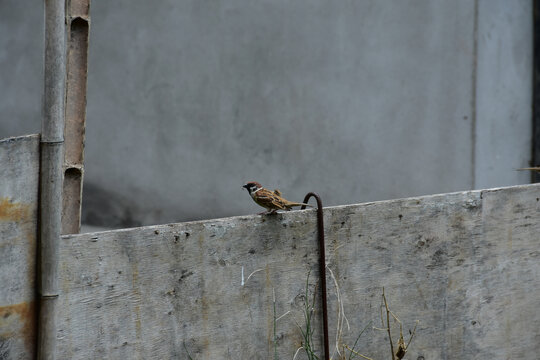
(187, 351)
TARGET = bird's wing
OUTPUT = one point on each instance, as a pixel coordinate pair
(277, 192)
(269, 200)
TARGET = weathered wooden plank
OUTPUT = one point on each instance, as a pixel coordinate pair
(19, 173)
(183, 283)
(466, 265)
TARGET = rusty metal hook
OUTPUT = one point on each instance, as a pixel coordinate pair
(322, 268)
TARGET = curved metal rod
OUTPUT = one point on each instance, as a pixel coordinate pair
(322, 268)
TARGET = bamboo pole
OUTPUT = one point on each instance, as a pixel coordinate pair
(52, 157)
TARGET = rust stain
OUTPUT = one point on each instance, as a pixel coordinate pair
(19, 320)
(137, 305)
(24, 214)
(204, 308)
(270, 309)
(10, 211)
(205, 340)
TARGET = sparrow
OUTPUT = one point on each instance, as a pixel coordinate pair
(272, 201)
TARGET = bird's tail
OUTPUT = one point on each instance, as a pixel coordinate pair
(291, 204)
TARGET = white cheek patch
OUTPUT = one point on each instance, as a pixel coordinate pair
(252, 193)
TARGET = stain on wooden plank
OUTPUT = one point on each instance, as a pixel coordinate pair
(10, 211)
(18, 323)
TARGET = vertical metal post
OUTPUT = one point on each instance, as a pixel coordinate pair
(322, 269)
(78, 21)
(52, 157)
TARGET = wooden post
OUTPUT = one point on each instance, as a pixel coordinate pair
(52, 157)
(77, 69)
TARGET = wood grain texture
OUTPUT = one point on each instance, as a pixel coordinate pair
(466, 265)
(19, 173)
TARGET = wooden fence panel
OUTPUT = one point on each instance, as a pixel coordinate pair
(19, 173)
(466, 265)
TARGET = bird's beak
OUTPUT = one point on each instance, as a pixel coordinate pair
(244, 186)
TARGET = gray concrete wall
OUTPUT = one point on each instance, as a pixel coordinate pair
(504, 64)
(356, 100)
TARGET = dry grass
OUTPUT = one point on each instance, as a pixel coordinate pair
(342, 350)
